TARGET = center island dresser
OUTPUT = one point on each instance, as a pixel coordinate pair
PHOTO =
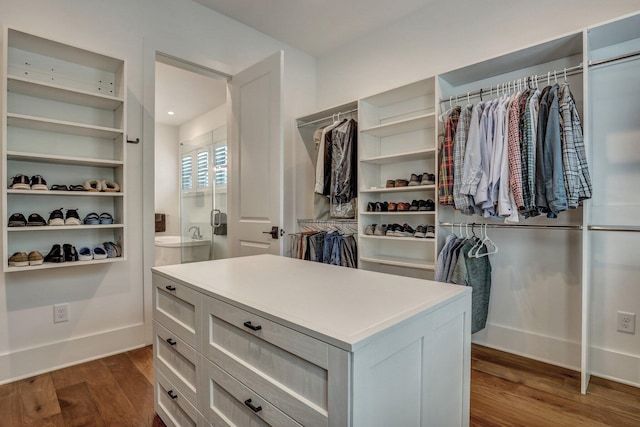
(273, 341)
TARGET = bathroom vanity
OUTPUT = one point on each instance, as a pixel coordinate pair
(268, 340)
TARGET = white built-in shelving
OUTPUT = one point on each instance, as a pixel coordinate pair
(64, 119)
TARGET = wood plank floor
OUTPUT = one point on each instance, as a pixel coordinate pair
(506, 390)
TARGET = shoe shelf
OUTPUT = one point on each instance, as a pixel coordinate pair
(401, 157)
(63, 228)
(425, 121)
(66, 193)
(62, 126)
(64, 120)
(399, 189)
(62, 160)
(399, 262)
(39, 89)
(402, 213)
(394, 238)
(48, 265)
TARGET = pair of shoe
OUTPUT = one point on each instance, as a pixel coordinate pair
(101, 185)
(397, 230)
(62, 253)
(62, 187)
(422, 179)
(57, 218)
(23, 182)
(95, 219)
(87, 254)
(21, 259)
(391, 183)
(18, 220)
(400, 207)
(428, 231)
(422, 205)
(376, 230)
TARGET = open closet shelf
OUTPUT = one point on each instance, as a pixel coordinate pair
(426, 121)
(62, 160)
(66, 193)
(406, 239)
(399, 189)
(64, 227)
(49, 265)
(58, 93)
(400, 213)
(399, 262)
(60, 126)
(402, 157)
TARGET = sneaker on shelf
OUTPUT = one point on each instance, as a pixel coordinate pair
(109, 186)
(431, 232)
(72, 217)
(381, 230)
(414, 180)
(58, 187)
(20, 182)
(56, 254)
(405, 231)
(401, 183)
(402, 206)
(368, 230)
(392, 207)
(382, 207)
(99, 253)
(35, 258)
(426, 205)
(76, 188)
(17, 220)
(106, 218)
(390, 183)
(371, 207)
(92, 219)
(19, 259)
(428, 179)
(85, 254)
(414, 205)
(70, 253)
(56, 217)
(38, 183)
(36, 220)
(111, 249)
(391, 230)
(420, 231)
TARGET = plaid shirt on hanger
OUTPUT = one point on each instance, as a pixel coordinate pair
(445, 183)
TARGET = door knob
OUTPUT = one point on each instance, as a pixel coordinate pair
(274, 232)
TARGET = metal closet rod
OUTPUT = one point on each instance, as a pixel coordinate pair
(569, 71)
(614, 59)
(327, 118)
(326, 221)
(523, 226)
(625, 228)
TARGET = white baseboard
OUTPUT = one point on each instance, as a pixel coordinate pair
(540, 347)
(616, 366)
(37, 360)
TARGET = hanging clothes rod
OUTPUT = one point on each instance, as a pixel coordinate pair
(327, 221)
(624, 228)
(524, 226)
(614, 59)
(569, 71)
(355, 110)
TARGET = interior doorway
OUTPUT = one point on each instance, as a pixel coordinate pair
(191, 171)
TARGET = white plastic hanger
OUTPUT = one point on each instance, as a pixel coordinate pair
(486, 240)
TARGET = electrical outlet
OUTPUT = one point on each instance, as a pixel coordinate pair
(61, 313)
(627, 322)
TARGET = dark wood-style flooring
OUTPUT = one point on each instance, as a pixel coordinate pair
(506, 390)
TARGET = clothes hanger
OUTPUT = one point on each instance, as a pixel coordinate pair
(484, 242)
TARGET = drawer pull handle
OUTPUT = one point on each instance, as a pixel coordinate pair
(171, 341)
(253, 408)
(253, 328)
(170, 288)
(172, 394)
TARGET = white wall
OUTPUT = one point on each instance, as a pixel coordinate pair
(110, 305)
(167, 177)
(535, 310)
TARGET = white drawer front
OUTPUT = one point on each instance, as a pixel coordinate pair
(288, 367)
(178, 308)
(176, 360)
(229, 403)
(172, 406)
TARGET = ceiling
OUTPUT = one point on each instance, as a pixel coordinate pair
(186, 93)
(316, 26)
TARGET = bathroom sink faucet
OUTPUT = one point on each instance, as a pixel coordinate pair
(196, 233)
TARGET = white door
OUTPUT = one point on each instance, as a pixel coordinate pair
(255, 159)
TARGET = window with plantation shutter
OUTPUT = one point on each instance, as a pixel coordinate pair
(203, 169)
(187, 171)
(220, 154)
